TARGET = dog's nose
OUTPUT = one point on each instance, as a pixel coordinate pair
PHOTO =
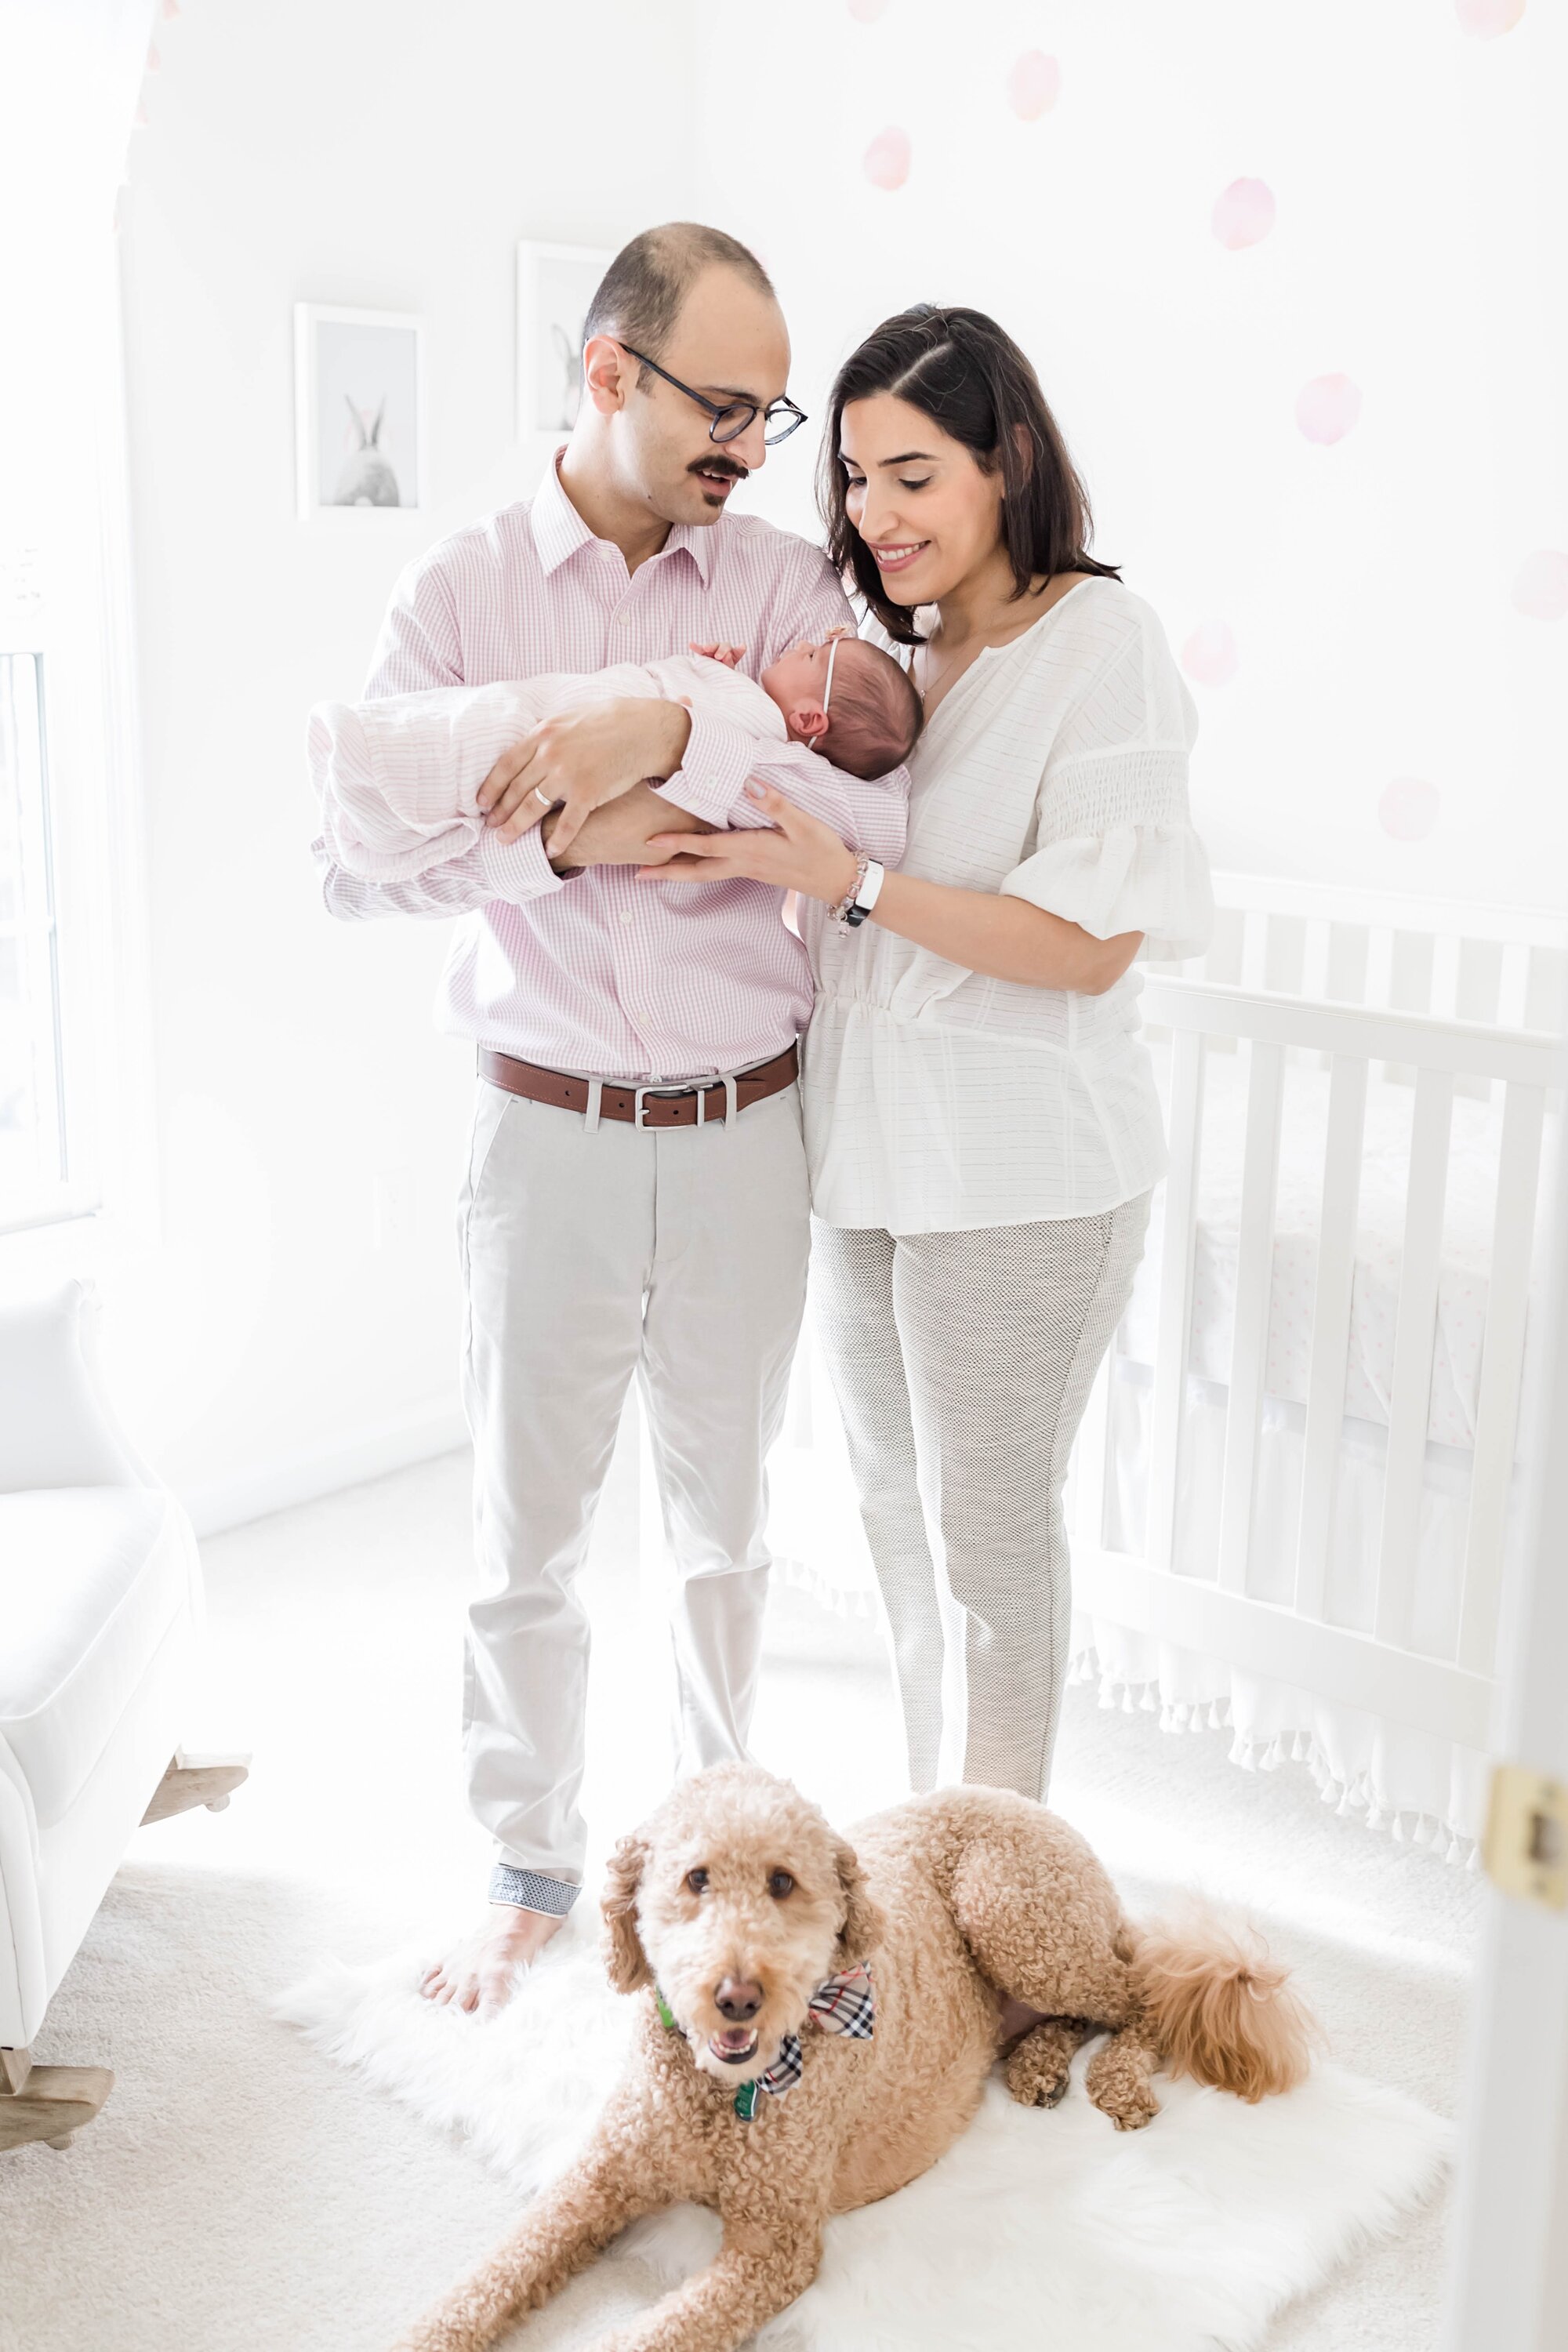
(738, 1999)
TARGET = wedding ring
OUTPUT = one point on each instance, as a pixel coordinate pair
(542, 798)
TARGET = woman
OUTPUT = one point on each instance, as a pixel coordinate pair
(981, 1122)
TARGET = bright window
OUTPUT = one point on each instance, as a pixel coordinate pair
(35, 1141)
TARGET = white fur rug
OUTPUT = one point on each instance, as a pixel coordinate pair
(1039, 2227)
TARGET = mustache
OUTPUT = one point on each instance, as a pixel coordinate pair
(718, 465)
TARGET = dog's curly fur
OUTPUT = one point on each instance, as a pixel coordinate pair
(965, 1901)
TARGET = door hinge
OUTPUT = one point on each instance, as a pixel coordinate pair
(1526, 1845)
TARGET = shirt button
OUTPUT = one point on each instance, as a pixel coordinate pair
(625, 915)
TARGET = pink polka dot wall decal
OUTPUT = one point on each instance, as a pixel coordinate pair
(1033, 84)
(1407, 808)
(1485, 19)
(1209, 656)
(1328, 407)
(886, 162)
(866, 11)
(1244, 214)
(1541, 584)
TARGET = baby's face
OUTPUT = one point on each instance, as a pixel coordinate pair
(797, 682)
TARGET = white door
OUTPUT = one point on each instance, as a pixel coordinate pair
(1510, 2280)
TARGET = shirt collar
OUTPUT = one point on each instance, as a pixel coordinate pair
(559, 531)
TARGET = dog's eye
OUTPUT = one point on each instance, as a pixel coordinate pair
(697, 1880)
(780, 1884)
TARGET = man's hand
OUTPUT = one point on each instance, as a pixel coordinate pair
(620, 833)
(578, 761)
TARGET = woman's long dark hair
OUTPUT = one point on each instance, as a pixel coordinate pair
(970, 378)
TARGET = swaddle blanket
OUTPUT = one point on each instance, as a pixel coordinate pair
(397, 777)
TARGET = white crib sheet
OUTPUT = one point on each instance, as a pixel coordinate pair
(1466, 1245)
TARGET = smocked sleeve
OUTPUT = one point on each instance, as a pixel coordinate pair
(1114, 845)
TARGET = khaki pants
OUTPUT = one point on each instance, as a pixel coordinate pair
(592, 1251)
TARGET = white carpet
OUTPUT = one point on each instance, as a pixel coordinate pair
(240, 2194)
(1188, 2236)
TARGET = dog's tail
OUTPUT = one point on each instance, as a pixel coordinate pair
(1222, 2009)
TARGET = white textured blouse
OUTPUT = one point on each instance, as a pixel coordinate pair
(1054, 770)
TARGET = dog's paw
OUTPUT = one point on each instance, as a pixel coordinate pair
(1137, 2120)
(1118, 2082)
(1037, 2072)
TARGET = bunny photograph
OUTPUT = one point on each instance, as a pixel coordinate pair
(784, 1176)
(555, 284)
(359, 418)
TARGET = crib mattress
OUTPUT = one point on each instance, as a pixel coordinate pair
(1466, 1257)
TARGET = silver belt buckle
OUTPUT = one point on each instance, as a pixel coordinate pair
(640, 1093)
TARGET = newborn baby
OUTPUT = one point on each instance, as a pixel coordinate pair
(398, 777)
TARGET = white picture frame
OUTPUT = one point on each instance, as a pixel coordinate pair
(358, 372)
(555, 286)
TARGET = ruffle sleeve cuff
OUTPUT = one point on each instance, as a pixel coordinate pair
(1153, 878)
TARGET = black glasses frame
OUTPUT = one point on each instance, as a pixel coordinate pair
(744, 410)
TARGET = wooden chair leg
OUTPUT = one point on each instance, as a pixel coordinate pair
(190, 1781)
(16, 2066)
(53, 2103)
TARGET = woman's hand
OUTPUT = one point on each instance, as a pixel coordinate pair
(794, 851)
(577, 761)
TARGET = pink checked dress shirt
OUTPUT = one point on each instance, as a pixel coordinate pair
(604, 975)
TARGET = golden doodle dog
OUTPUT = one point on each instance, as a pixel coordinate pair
(818, 2020)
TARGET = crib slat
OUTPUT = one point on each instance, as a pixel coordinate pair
(1316, 954)
(1255, 928)
(1410, 1401)
(1379, 967)
(1330, 1328)
(1445, 999)
(1249, 1340)
(1513, 984)
(1315, 958)
(1502, 1360)
(1175, 1292)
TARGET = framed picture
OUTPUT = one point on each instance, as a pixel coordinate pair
(555, 284)
(359, 430)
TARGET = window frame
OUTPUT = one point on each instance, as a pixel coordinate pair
(66, 595)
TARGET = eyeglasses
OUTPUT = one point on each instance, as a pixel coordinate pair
(731, 420)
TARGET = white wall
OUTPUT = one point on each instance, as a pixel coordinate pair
(388, 158)
(1421, 184)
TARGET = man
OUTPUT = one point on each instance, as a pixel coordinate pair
(607, 1229)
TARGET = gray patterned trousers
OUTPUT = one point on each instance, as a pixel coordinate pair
(962, 1363)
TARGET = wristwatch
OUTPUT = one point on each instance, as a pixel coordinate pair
(857, 904)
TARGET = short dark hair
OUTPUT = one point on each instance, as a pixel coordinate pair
(970, 378)
(876, 714)
(638, 298)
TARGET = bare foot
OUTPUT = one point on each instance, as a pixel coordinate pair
(480, 1972)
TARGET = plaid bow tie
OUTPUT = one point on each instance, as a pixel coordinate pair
(842, 2005)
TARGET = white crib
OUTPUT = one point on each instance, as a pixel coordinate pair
(1282, 1520)
(1290, 1495)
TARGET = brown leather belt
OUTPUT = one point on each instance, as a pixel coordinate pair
(693, 1105)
